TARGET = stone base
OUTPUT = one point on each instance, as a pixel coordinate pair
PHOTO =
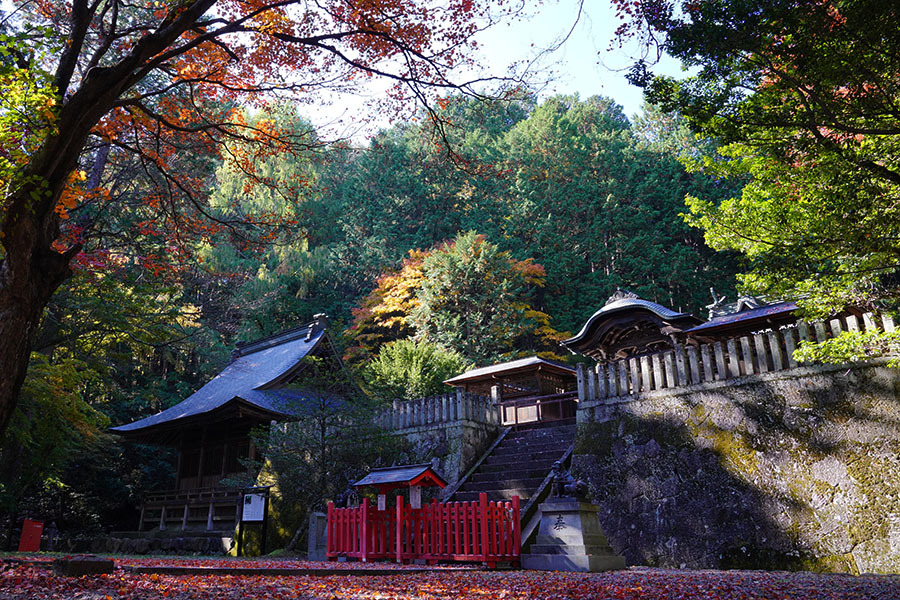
(586, 563)
(570, 539)
(82, 565)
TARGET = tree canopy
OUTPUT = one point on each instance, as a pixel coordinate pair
(803, 95)
(112, 113)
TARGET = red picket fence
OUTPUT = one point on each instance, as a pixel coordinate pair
(480, 531)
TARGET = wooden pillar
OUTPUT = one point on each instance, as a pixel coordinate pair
(623, 378)
(748, 355)
(598, 373)
(693, 364)
(635, 375)
(775, 350)
(761, 353)
(734, 362)
(669, 363)
(646, 379)
(202, 458)
(721, 372)
(790, 346)
(657, 372)
(178, 472)
(680, 367)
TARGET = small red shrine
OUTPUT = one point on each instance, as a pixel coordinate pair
(480, 531)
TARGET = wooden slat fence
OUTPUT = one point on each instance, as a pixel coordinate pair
(748, 355)
(478, 531)
(444, 408)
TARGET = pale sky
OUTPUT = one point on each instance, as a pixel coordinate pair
(584, 63)
(587, 62)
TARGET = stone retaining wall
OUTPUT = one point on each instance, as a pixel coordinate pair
(798, 469)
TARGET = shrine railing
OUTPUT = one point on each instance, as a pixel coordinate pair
(478, 531)
(444, 408)
(532, 409)
(199, 508)
(737, 357)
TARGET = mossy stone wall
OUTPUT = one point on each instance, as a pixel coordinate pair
(794, 470)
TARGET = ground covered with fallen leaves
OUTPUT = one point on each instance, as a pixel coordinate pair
(35, 581)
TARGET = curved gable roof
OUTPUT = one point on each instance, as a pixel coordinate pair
(623, 305)
(257, 366)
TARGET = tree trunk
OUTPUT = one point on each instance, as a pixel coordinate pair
(26, 285)
(31, 269)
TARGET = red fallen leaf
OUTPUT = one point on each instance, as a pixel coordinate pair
(633, 584)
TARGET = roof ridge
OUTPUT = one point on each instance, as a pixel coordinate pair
(319, 323)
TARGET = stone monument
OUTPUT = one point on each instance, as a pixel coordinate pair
(569, 535)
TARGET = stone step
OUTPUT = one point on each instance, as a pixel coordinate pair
(529, 473)
(524, 458)
(523, 446)
(530, 484)
(502, 467)
(555, 433)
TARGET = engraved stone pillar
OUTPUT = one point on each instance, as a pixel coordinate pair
(570, 539)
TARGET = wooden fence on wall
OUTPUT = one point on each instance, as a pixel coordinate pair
(737, 357)
(444, 408)
(478, 531)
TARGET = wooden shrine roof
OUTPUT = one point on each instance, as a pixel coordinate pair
(402, 476)
(492, 372)
(745, 319)
(245, 386)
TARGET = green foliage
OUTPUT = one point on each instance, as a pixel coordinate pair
(475, 299)
(597, 203)
(409, 369)
(51, 420)
(803, 94)
(851, 346)
(28, 105)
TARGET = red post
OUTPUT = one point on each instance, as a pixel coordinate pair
(329, 539)
(483, 513)
(465, 528)
(399, 529)
(517, 528)
(364, 530)
(436, 531)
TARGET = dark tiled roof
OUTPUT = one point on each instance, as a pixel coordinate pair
(507, 366)
(396, 475)
(778, 308)
(257, 365)
(624, 304)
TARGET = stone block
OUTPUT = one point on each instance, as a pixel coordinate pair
(570, 539)
(82, 565)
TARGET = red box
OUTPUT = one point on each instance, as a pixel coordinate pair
(31, 536)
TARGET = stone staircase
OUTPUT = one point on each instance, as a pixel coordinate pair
(520, 463)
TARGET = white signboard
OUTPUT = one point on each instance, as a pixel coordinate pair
(254, 507)
(415, 497)
(382, 501)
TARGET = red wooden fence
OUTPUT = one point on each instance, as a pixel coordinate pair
(480, 531)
